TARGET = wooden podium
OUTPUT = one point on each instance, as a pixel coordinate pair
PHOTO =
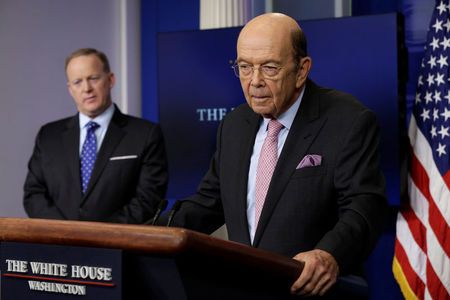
(168, 263)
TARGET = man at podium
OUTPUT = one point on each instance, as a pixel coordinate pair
(296, 168)
(99, 165)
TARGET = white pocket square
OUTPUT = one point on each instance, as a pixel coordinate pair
(123, 157)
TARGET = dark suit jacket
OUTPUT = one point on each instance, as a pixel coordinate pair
(120, 190)
(337, 206)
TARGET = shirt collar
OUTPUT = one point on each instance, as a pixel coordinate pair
(287, 118)
(103, 119)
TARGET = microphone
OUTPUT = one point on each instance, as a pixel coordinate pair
(175, 207)
(161, 207)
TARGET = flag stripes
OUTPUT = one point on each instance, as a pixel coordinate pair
(421, 264)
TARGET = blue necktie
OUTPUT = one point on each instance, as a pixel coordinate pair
(88, 154)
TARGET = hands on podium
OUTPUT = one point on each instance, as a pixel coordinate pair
(319, 273)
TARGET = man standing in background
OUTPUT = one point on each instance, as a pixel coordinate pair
(99, 165)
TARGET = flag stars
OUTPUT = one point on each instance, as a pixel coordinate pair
(447, 25)
(435, 114)
(418, 100)
(437, 26)
(420, 80)
(441, 8)
(443, 132)
(442, 61)
(439, 79)
(448, 97)
(433, 131)
(432, 62)
(446, 43)
(446, 114)
(435, 43)
(430, 79)
(428, 97)
(441, 150)
(425, 114)
(437, 96)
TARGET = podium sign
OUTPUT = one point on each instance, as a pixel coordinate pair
(41, 257)
(39, 271)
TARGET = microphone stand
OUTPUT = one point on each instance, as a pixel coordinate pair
(161, 207)
(176, 206)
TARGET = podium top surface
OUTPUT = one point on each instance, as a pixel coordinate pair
(153, 240)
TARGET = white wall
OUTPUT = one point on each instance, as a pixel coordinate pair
(35, 38)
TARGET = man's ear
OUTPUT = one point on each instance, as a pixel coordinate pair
(303, 71)
(69, 88)
(112, 80)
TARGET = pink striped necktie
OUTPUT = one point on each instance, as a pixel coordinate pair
(266, 165)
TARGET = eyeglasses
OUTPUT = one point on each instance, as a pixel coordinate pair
(242, 70)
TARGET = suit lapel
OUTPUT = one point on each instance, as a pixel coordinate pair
(304, 129)
(112, 138)
(71, 142)
(249, 131)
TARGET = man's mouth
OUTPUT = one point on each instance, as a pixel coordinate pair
(260, 98)
(87, 99)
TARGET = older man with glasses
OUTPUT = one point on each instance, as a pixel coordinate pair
(296, 170)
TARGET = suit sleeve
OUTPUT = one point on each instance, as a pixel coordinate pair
(151, 185)
(360, 188)
(37, 202)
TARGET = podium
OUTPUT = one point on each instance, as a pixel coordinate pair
(156, 262)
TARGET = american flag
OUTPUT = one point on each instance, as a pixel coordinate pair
(421, 264)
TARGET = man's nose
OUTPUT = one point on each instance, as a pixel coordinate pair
(257, 77)
(87, 86)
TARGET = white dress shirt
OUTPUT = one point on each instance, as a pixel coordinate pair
(103, 120)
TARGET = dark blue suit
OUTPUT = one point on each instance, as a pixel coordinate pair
(124, 189)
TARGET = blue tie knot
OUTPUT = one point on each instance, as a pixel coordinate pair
(92, 126)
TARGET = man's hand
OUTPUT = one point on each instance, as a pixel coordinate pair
(319, 273)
